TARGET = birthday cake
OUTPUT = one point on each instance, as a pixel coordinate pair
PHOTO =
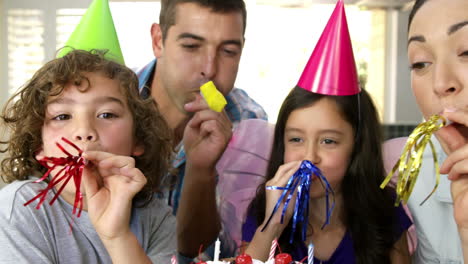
(254, 261)
(282, 258)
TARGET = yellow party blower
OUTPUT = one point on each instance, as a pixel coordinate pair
(213, 97)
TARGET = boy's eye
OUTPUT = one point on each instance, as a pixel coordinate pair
(107, 115)
(61, 117)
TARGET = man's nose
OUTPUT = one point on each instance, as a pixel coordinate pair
(209, 65)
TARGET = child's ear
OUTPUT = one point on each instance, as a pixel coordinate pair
(39, 154)
(138, 150)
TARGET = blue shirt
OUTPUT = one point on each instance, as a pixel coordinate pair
(239, 106)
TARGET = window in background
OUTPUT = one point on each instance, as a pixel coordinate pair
(66, 21)
(134, 34)
(279, 41)
(33, 34)
(25, 31)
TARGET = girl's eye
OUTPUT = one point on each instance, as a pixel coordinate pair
(329, 141)
(295, 139)
(61, 117)
(107, 115)
(419, 65)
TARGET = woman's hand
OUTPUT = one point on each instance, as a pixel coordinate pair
(455, 139)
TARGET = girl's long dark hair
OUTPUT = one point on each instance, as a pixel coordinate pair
(368, 210)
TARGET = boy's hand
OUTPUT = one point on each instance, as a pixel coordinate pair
(110, 182)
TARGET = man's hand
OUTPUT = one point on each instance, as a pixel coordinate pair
(205, 139)
(206, 134)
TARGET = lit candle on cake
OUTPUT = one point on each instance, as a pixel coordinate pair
(310, 255)
(217, 250)
(274, 244)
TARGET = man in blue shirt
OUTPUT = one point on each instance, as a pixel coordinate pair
(195, 42)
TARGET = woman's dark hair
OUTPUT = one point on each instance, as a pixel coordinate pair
(417, 5)
(368, 210)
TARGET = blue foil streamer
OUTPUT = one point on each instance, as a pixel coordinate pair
(301, 180)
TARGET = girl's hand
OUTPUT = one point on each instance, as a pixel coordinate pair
(110, 182)
(280, 179)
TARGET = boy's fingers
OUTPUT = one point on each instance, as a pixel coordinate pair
(108, 160)
(98, 156)
(135, 174)
(90, 182)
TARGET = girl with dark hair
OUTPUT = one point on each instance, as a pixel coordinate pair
(344, 141)
(438, 55)
(328, 120)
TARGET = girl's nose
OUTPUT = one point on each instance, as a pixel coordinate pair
(312, 154)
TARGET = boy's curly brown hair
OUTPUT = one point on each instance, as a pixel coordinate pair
(23, 116)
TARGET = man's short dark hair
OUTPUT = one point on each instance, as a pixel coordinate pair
(167, 15)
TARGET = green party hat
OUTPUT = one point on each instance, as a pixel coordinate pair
(96, 31)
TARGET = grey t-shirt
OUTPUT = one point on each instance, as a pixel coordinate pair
(44, 235)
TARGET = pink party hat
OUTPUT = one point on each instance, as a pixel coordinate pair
(331, 69)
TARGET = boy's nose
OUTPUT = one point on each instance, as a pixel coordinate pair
(87, 138)
(84, 131)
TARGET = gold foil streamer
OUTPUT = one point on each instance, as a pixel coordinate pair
(409, 164)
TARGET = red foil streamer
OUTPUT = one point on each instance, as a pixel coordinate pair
(72, 169)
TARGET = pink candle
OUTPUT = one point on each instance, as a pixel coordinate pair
(274, 244)
(173, 259)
